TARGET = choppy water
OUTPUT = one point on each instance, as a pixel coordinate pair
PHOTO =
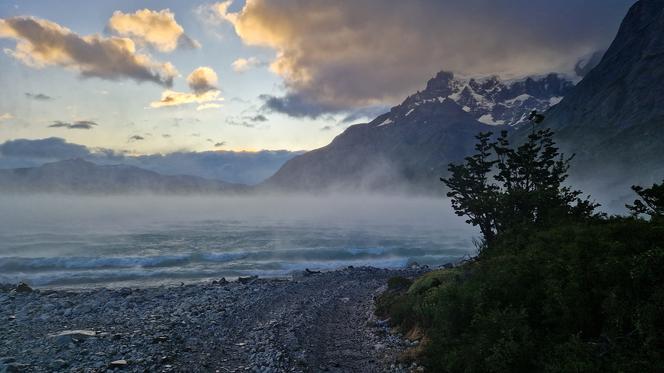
(67, 241)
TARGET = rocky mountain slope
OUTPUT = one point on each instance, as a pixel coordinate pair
(491, 100)
(412, 144)
(80, 176)
(614, 118)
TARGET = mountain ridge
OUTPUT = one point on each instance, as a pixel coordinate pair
(410, 146)
(84, 177)
(613, 119)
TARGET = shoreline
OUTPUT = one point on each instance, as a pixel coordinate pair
(314, 322)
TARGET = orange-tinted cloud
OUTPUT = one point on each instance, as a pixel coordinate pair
(43, 43)
(241, 65)
(155, 28)
(203, 79)
(338, 55)
(203, 83)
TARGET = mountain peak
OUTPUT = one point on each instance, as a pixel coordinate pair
(440, 82)
(489, 100)
(625, 89)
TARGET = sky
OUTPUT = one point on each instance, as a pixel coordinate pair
(160, 77)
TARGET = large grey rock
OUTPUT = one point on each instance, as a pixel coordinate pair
(22, 287)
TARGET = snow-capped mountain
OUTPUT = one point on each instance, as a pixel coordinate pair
(489, 100)
(413, 143)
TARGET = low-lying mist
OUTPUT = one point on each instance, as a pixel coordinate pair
(66, 240)
(79, 213)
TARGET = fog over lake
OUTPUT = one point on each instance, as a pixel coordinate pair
(57, 240)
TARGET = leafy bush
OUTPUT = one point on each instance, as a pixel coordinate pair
(398, 283)
(569, 298)
(557, 288)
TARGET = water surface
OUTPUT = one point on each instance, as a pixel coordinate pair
(54, 240)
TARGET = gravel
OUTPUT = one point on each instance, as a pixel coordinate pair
(310, 323)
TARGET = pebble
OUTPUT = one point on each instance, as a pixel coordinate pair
(119, 363)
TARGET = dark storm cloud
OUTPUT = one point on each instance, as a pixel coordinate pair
(339, 56)
(298, 106)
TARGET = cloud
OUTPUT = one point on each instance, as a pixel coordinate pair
(326, 128)
(136, 138)
(249, 121)
(49, 148)
(6, 116)
(587, 63)
(207, 106)
(205, 92)
(202, 80)
(245, 64)
(300, 105)
(370, 113)
(338, 56)
(220, 144)
(41, 43)
(258, 118)
(78, 125)
(150, 27)
(172, 98)
(38, 96)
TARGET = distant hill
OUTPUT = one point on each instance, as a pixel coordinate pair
(411, 146)
(82, 177)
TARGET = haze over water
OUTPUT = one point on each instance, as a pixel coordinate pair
(66, 241)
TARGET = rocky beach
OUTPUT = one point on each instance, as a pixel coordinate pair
(309, 322)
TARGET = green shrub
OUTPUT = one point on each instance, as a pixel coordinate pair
(398, 283)
(555, 288)
(574, 297)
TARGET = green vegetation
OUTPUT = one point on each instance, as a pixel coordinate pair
(555, 287)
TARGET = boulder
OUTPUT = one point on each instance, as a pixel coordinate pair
(22, 287)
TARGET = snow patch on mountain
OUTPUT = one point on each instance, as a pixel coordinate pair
(489, 100)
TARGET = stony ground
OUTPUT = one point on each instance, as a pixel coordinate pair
(312, 323)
